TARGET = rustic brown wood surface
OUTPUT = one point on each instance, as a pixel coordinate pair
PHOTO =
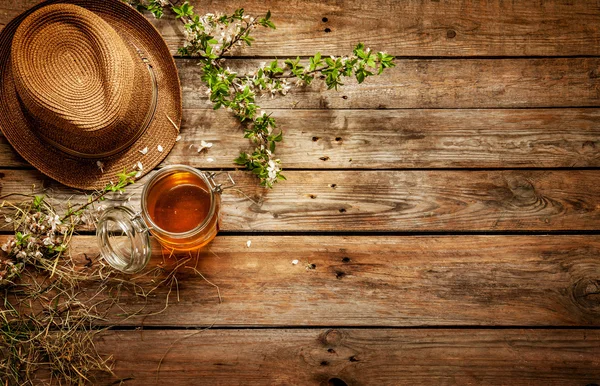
(445, 216)
(357, 357)
(339, 281)
(434, 83)
(375, 200)
(407, 138)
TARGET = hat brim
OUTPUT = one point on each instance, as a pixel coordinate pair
(85, 173)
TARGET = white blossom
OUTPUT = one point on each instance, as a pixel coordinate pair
(54, 221)
(272, 169)
(204, 145)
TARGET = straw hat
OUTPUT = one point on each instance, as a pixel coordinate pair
(86, 85)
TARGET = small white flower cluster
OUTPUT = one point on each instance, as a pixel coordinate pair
(41, 232)
(8, 271)
(223, 33)
(139, 168)
(272, 85)
(273, 166)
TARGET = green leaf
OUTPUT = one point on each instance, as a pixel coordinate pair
(184, 10)
(278, 137)
(242, 159)
(37, 202)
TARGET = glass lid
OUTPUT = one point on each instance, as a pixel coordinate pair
(123, 239)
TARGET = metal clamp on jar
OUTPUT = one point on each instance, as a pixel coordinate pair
(180, 206)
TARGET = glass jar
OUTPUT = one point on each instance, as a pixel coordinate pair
(180, 206)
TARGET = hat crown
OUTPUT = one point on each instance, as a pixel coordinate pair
(74, 74)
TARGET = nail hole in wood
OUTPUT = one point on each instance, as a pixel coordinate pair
(337, 139)
(315, 139)
(353, 359)
(327, 30)
(339, 275)
(342, 210)
(312, 266)
(313, 196)
(336, 382)
(331, 351)
(451, 34)
(333, 186)
(344, 96)
(345, 260)
(325, 20)
(324, 363)
(324, 158)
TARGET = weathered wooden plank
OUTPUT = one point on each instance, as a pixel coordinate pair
(408, 201)
(372, 281)
(410, 28)
(433, 83)
(416, 28)
(396, 139)
(356, 357)
(406, 138)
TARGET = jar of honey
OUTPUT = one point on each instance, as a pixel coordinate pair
(180, 206)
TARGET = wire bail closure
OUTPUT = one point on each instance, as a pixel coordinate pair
(217, 187)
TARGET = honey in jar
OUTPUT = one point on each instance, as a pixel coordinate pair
(179, 202)
(180, 207)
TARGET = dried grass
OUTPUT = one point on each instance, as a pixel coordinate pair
(57, 308)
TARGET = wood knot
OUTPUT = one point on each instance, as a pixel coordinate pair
(586, 294)
(332, 337)
(523, 195)
(450, 34)
(336, 382)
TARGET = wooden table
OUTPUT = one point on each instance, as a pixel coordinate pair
(444, 215)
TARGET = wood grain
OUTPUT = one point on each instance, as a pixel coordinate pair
(433, 83)
(370, 281)
(407, 28)
(406, 138)
(476, 139)
(406, 201)
(356, 357)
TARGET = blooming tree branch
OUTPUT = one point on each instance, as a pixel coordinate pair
(211, 36)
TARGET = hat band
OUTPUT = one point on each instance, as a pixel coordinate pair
(142, 129)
